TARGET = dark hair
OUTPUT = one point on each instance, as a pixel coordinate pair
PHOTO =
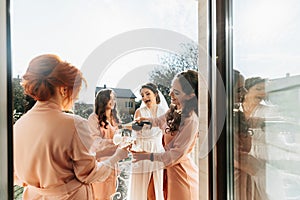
(153, 88)
(189, 83)
(250, 82)
(240, 123)
(46, 72)
(240, 91)
(242, 131)
(101, 101)
(236, 77)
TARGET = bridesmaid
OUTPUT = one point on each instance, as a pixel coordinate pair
(180, 125)
(51, 157)
(103, 124)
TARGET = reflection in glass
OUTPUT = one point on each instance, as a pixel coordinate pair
(269, 110)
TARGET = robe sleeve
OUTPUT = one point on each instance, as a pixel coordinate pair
(101, 147)
(85, 166)
(159, 121)
(180, 145)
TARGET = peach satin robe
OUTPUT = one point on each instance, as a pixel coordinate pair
(182, 172)
(104, 189)
(51, 155)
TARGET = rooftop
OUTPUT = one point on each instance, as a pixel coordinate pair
(120, 92)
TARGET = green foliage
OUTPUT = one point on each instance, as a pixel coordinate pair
(18, 191)
(19, 100)
(82, 109)
(138, 104)
(175, 63)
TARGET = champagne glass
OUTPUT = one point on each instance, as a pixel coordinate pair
(122, 140)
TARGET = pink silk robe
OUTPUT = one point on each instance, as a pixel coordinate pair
(182, 173)
(105, 189)
(51, 155)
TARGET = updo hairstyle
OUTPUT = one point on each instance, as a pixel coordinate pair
(47, 72)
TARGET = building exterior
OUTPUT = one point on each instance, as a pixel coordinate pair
(281, 138)
(283, 90)
(125, 101)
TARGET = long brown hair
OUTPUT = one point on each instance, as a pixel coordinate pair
(189, 84)
(101, 101)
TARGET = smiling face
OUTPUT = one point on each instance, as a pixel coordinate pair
(178, 97)
(257, 93)
(148, 97)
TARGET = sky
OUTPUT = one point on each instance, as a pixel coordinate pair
(265, 36)
(75, 29)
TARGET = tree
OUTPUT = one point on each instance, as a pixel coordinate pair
(19, 100)
(82, 109)
(175, 63)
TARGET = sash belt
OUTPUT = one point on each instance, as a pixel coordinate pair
(57, 190)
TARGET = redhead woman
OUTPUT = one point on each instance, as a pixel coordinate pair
(180, 125)
(103, 124)
(51, 147)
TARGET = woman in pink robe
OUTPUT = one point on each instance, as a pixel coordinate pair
(51, 148)
(103, 124)
(181, 130)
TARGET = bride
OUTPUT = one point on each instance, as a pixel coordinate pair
(146, 180)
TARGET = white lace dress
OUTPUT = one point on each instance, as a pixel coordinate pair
(149, 140)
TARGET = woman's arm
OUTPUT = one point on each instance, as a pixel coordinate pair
(156, 121)
(101, 146)
(137, 113)
(178, 147)
(85, 166)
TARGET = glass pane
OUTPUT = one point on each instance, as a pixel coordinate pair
(267, 96)
(116, 44)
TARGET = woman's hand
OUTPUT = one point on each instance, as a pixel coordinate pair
(249, 164)
(122, 153)
(139, 119)
(137, 156)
